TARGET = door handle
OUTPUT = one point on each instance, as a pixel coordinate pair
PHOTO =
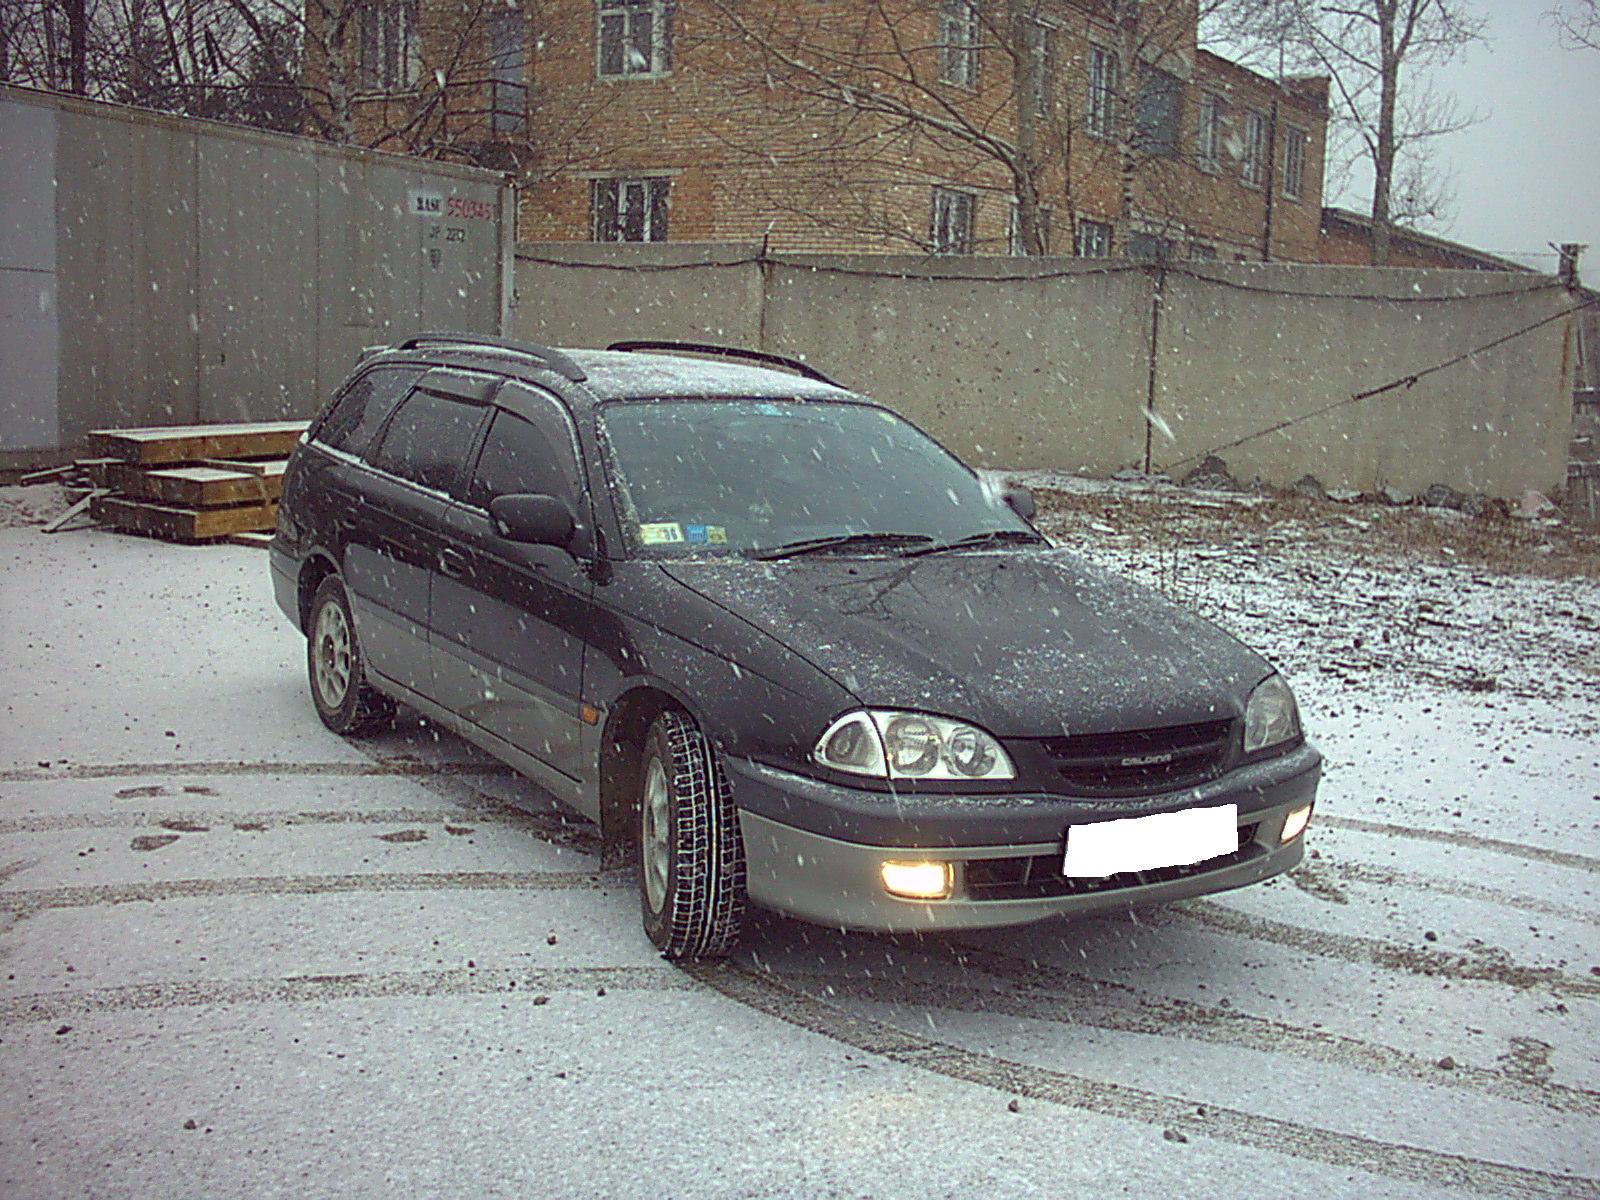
(452, 563)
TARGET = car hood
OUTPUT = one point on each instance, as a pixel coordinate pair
(1029, 643)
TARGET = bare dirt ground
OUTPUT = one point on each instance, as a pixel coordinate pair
(241, 956)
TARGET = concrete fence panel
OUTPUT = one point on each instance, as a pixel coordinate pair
(1246, 347)
(1047, 371)
(579, 294)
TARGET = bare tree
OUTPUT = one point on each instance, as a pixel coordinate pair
(1373, 51)
(1578, 23)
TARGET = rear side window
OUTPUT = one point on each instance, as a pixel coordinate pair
(428, 440)
(524, 456)
(358, 414)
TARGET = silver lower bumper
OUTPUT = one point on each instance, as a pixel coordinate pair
(836, 883)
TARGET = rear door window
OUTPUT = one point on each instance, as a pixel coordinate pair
(359, 412)
(429, 439)
(526, 456)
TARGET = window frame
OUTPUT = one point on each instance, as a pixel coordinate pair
(655, 187)
(958, 43)
(1163, 87)
(947, 200)
(1081, 225)
(1104, 81)
(662, 18)
(507, 70)
(1208, 133)
(1295, 139)
(373, 78)
(1253, 160)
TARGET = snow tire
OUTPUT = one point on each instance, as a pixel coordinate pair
(702, 897)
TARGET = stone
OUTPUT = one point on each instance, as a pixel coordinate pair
(1442, 495)
(1309, 486)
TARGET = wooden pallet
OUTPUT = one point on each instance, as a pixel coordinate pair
(182, 524)
(191, 443)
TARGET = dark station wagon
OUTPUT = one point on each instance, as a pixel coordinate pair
(783, 647)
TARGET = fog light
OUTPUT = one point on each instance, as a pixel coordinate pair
(917, 880)
(1295, 824)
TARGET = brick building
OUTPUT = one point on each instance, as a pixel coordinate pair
(836, 125)
(1347, 241)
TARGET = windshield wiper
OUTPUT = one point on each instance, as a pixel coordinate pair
(835, 541)
(989, 537)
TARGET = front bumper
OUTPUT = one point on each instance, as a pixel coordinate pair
(1006, 852)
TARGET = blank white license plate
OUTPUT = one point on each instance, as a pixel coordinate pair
(1172, 839)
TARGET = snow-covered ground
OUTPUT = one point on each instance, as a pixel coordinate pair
(243, 956)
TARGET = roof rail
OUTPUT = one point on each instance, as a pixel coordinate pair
(554, 359)
(761, 356)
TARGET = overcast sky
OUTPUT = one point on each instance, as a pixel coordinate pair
(1530, 173)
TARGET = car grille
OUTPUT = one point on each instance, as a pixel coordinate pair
(1038, 877)
(1141, 760)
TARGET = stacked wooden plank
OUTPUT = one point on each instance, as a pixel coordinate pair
(189, 483)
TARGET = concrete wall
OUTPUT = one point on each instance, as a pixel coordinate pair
(1046, 363)
(164, 271)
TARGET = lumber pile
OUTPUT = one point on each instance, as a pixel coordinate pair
(187, 483)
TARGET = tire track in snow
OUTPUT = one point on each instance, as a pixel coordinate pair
(1122, 1102)
(1068, 998)
(26, 903)
(1366, 951)
(1471, 841)
(1368, 873)
(320, 989)
(220, 819)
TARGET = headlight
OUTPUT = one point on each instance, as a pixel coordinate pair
(1270, 719)
(903, 745)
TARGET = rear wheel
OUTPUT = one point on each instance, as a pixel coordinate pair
(691, 857)
(344, 700)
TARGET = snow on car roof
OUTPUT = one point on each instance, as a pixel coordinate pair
(615, 373)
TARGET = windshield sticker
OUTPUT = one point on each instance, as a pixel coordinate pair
(716, 535)
(661, 533)
(696, 534)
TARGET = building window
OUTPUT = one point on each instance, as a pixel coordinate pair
(1039, 45)
(1294, 162)
(951, 227)
(1150, 247)
(1014, 230)
(1208, 139)
(630, 210)
(635, 37)
(1156, 115)
(1253, 162)
(508, 34)
(1104, 78)
(1091, 239)
(958, 42)
(387, 47)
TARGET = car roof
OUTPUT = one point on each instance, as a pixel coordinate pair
(619, 375)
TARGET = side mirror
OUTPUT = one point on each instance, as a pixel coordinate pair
(533, 520)
(1020, 499)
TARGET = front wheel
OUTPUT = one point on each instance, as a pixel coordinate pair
(345, 701)
(691, 857)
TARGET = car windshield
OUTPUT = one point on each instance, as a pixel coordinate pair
(782, 477)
